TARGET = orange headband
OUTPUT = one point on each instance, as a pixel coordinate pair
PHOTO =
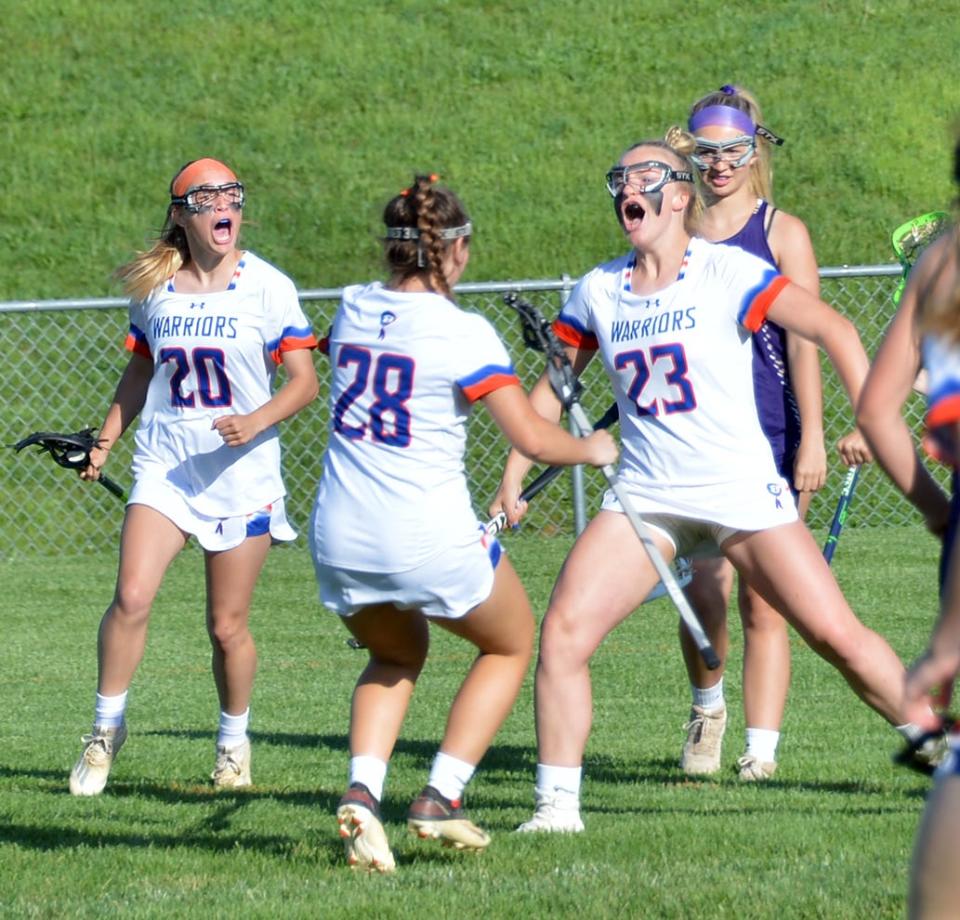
(183, 181)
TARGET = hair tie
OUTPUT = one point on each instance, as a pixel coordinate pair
(434, 177)
(728, 89)
(405, 193)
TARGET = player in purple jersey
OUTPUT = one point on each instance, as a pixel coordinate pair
(694, 458)
(209, 325)
(733, 155)
(396, 542)
(926, 332)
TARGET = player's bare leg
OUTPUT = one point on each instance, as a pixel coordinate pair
(590, 598)
(786, 566)
(149, 542)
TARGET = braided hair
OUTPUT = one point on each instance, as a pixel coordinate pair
(422, 223)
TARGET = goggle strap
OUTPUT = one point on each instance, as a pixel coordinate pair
(412, 233)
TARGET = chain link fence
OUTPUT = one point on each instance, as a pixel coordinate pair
(64, 359)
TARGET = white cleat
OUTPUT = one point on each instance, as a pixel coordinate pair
(554, 814)
(232, 770)
(89, 774)
(701, 750)
(754, 770)
(364, 839)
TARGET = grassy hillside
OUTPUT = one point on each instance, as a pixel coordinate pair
(326, 107)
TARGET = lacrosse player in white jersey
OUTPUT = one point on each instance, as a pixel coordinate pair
(672, 322)
(926, 333)
(209, 325)
(394, 536)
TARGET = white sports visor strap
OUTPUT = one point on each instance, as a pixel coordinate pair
(412, 233)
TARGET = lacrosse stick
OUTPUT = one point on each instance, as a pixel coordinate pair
(910, 239)
(840, 515)
(499, 521)
(537, 333)
(71, 451)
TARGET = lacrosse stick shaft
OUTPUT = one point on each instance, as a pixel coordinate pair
(111, 486)
(840, 515)
(499, 521)
(663, 569)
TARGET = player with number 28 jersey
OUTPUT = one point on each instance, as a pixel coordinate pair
(406, 369)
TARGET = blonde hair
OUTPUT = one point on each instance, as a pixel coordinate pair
(761, 166)
(681, 144)
(146, 270)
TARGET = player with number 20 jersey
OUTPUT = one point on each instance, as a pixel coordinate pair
(214, 354)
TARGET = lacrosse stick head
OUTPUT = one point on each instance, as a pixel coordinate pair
(71, 451)
(909, 240)
(538, 334)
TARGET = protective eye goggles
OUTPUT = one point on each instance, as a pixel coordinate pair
(204, 197)
(644, 178)
(734, 153)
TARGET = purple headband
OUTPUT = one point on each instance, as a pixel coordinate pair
(722, 116)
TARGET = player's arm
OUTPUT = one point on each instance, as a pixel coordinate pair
(544, 403)
(128, 400)
(793, 250)
(299, 390)
(880, 412)
(799, 311)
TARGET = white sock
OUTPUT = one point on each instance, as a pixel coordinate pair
(910, 731)
(562, 783)
(109, 710)
(371, 771)
(708, 697)
(762, 743)
(233, 729)
(449, 776)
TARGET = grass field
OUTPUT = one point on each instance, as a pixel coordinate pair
(327, 107)
(829, 837)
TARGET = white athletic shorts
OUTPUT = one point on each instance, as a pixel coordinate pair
(693, 537)
(213, 534)
(448, 586)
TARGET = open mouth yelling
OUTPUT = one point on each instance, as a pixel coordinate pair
(633, 213)
(223, 230)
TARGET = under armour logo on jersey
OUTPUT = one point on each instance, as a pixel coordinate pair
(776, 491)
(199, 305)
(386, 318)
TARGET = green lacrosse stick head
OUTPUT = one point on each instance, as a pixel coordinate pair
(910, 239)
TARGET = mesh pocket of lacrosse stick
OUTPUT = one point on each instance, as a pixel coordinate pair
(910, 239)
(71, 451)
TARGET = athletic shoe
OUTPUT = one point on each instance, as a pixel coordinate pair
(929, 755)
(433, 815)
(701, 750)
(89, 775)
(232, 770)
(753, 770)
(554, 814)
(364, 839)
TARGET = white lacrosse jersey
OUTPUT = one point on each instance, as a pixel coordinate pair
(681, 363)
(941, 358)
(406, 368)
(215, 354)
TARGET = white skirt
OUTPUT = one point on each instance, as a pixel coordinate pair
(213, 534)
